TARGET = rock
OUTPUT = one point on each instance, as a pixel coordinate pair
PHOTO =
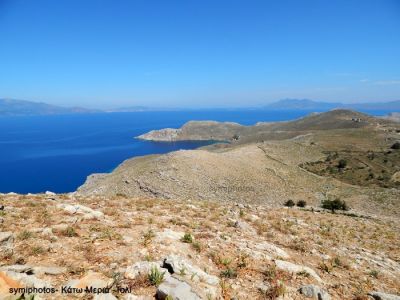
(94, 280)
(18, 269)
(49, 270)
(6, 283)
(6, 236)
(10, 279)
(383, 296)
(86, 212)
(396, 177)
(178, 265)
(315, 292)
(293, 268)
(263, 288)
(59, 227)
(143, 268)
(176, 289)
(170, 235)
(135, 297)
(48, 231)
(91, 279)
(253, 218)
(244, 226)
(272, 249)
(48, 193)
(107, 296)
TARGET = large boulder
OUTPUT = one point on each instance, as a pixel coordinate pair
(293, 268)
(6, 237)
(93, 280)
(383, 296)
(10, 279)
(271, 249)
(143, 268)
(314, 292)
(176, 289)
(86, 212)
(179, 265)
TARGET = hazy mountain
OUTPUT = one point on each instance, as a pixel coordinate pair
(307, 104)
(11, 107)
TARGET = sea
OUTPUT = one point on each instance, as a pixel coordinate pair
(56, 153)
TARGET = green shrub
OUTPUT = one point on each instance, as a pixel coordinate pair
(333, 205)
(24, 235)
(70, 232)
(156, 277)
(342, 164)
(301, 203)
(197, 246)
(187, 238)
(148, 237)
(289, 203)
(228, 273)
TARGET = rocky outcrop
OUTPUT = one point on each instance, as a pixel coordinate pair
(293, 268)
(314, 292)
(176, 290)
(196, 130)
(143, 268)
(84, 211)
(383, 296)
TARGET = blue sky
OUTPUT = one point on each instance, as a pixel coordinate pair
(199, 53)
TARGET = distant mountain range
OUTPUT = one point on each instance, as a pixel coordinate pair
(12, 107)
(306, 104)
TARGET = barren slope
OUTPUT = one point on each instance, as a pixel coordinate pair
(230, 250)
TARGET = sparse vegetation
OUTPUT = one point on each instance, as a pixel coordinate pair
(25, 234)
(374, 273)
(187, 238)
(197, 246)
(301, 203)
(148, 237)
(70, 232)
(335, 204)
(156, 277)
(289, 203)
(228, 273)
(342, 164)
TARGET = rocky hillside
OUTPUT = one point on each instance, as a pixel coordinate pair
(96, 247)
(209, 130)
(269, 172)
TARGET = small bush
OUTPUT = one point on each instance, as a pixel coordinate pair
(187, 238)
(374, 273)
(228, 273)
(289, 203)
(37, 250)
(156, 277)
(333, 205)
(24, 235)
(148, 237)
(197, 246)
(70, 232)
(301, 203)
(342, 164)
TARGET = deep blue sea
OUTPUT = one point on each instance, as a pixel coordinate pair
(57, 153)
